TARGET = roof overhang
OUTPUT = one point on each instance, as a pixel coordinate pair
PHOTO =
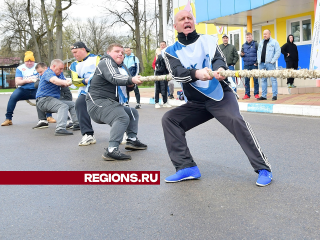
(271, 11)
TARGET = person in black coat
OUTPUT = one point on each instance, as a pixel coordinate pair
(291, 56)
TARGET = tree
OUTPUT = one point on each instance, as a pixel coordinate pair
(130, 16)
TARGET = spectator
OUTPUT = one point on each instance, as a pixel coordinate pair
(133, 64)
(26, 76)
(106, 91)
(163, 45)
(81, 71)
(249, 56)
(48, 95)
(161, 86)
(230, 53)
(268, 54)
(291, 56)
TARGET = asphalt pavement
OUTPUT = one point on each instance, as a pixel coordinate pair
(224, 204)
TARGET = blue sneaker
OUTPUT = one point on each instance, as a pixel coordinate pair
(265, 178)
(185, 174)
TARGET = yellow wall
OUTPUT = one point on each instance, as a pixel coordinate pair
(270, 27)
(282, 26)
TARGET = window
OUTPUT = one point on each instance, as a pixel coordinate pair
(300, 28)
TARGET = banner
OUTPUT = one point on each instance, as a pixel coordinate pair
(315, 50)
(79, 178)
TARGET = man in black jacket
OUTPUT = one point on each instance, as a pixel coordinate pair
(291, 56)
(107, 87)
(192, 71)
(161, 86)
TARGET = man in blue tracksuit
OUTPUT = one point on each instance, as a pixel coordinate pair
(132, 63)
(268, 53)
(249, 56)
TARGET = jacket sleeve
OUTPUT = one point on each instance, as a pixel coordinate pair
(283, 50)
(277, 52)
(161, 66)
(219, 60)
(178, 72)
(235, 56)
(109, 70)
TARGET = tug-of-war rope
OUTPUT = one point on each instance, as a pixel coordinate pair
(286, 73)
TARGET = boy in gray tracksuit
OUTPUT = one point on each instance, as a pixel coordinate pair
(106, 88)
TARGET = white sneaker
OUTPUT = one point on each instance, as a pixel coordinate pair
(157, 105)
(87, 140)
(167, 105)
(124, 139)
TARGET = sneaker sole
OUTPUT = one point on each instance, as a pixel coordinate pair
(107, 158)
(61, 134)
(183, 179)
(135, 148)
(263, 185)
(40, 127)
(87, 143)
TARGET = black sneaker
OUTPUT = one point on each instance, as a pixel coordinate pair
(76, 127)
(274, 98)
(63, 132)
(41, 124)
(261, 98)
(115, 155)
(138, 106)
(171, 97)
(69, 125)
(135, 145)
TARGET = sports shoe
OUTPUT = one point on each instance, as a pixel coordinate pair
(167, 105)
(115, 155)
(41, 124)
(265, 178)
(138, 106)
(69, 124)
(63, 132)
(293, 86)
(261, 98)
(157, 105)
(171, 97)
(126, 104)
(87, 140)
(76, 127)
(246, 97)
(7, 122)
(274, 98)
(135, 145)
(185, 174)
(256, 96)
(289, 85)
(51, 120)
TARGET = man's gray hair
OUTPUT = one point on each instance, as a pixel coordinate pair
(56, 62)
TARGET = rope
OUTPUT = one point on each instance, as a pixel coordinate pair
(287, 73)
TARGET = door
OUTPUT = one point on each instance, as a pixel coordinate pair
(235, 37)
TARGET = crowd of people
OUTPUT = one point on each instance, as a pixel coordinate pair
(263, 55)
(105, 83)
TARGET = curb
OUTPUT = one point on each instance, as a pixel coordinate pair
(300, 110)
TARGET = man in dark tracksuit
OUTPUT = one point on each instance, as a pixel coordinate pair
(201, 108)
(110, 82)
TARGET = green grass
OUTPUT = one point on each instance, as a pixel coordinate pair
(7, 90)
